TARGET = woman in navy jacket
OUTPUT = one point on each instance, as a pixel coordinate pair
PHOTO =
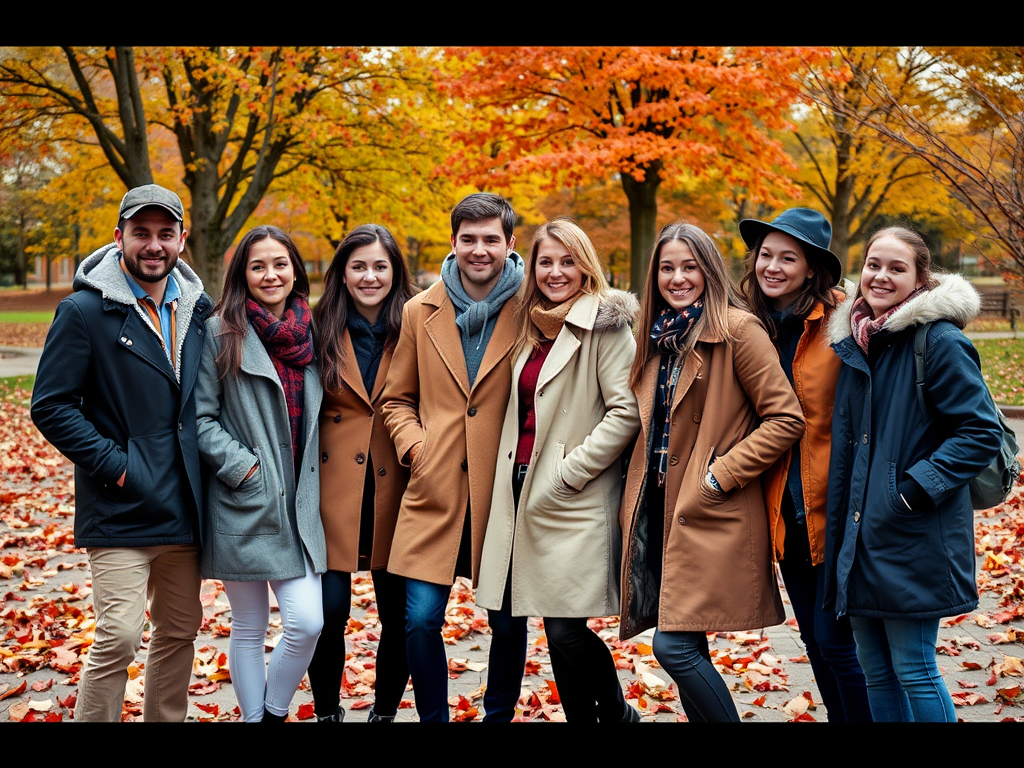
(900, 535)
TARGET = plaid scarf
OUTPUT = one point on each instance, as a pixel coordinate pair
(669, 332)
(864, 326)
(289, 342)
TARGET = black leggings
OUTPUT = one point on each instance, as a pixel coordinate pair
(328, 664)
(584, 670)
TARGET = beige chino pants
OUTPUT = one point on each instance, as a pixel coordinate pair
(123, 580)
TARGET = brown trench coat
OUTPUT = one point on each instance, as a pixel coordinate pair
(734, 404)
(352, 433)
(427, 399)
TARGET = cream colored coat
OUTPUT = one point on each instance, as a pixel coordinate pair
(564, 546)
(427, 399)
(352, 433)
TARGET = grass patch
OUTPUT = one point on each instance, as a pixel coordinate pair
(1002, 362)
(16, 388)
(26, 317)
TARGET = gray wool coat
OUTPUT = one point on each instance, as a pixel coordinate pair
(258, 529)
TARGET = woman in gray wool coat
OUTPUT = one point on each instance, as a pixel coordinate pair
(257, 404)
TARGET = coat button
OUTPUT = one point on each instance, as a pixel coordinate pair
(682, 520)
(382, 471)
(673, 460)
(124, 339)
(323, 457)
(180, 426)
(541, 393)
(856, 516)
(337, 418)
(465, 466)
(472, 411)
(696, 418)
(129, 342)
(360, 458)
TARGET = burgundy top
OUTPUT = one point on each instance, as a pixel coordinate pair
(527, 387)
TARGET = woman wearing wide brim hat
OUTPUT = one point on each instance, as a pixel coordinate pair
(792, 283)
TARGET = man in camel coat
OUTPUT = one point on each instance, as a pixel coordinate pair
(443, 404)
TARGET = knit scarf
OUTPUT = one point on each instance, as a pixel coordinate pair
(549, 318)
(289, 342)
(864, 326)
(669, 332)
(478, 318)
(368, 344)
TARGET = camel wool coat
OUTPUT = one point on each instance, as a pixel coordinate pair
(427, 399)
(352, 434)
(734, 406)
(564, 545)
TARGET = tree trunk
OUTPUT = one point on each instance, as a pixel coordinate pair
(412, 258)
(643, 222)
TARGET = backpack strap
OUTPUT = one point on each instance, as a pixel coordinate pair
(920, 344)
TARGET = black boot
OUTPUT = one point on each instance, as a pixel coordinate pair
(373, 717)
(270, 717)
(337, 717)
(631, 715)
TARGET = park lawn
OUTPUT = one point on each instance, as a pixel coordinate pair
(17, 388)
(26, 317)
(1002, 363)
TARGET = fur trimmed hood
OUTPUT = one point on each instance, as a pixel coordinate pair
(104, 274)
(953, 299)
(617, 308)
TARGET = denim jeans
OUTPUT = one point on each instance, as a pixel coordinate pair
(425, 605)
(903, 678)
(828, 640)
(702, 691)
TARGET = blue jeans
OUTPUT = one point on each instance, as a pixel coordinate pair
(506, 661)
(827, 639)
(425, 604)
(904, 682)
(702, 691)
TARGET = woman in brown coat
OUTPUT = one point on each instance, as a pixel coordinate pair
(716, 411)
(358, 320)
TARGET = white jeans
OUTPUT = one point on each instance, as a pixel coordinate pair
(270, 686)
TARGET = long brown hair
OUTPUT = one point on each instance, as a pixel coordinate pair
(719, 294)
(569, 234)
(816, 289)
(231, 305)
(332, 311)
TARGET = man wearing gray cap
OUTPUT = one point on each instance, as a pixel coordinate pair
(114, 394)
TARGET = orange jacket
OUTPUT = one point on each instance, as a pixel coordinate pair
(815, 373)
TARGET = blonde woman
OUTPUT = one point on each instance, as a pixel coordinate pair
(716, 411)
(551, 547)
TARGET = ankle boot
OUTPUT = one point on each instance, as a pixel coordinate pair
(631, 715)
(270, 717)
(337, 717)
(373, 717)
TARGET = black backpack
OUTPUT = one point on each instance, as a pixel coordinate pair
(992, 487)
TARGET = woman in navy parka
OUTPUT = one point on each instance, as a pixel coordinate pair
(900, 536)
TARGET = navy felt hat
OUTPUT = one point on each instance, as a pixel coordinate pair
(808, 226)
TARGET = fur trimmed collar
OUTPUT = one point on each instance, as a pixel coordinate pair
(953, 299)
(610, 310)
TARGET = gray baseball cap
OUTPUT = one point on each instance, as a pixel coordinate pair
(151, 194)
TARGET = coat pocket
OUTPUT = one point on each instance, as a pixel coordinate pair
(252, 509)
(707, 491)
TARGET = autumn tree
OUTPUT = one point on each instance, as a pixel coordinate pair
(978, 146)
(647, 116)
(850, 171)
(240, 117)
